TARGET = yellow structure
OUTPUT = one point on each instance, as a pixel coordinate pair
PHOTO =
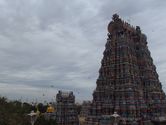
(50, 109)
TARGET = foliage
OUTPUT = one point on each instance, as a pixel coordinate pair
(15, 113)
(42, 108)
(42, 121)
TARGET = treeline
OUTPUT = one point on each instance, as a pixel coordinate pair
(15, 113)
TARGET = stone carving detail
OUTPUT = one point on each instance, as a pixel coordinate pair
(115, 17)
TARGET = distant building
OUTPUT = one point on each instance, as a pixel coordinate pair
(128, 82)
(85, 108)
(66, 112)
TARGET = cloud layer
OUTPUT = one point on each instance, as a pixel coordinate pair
(58, 44)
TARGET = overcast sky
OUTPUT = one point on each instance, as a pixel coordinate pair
(47, 45)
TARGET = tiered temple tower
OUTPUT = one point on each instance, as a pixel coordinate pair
(66, 113)
(128, 82)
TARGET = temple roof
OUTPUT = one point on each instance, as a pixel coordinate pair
(118, 23)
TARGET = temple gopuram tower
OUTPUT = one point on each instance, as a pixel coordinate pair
(66, 113)
(128, 82)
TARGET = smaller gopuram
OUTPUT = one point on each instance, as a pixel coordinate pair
(66, 109)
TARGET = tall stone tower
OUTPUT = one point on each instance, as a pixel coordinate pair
(128, 82)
